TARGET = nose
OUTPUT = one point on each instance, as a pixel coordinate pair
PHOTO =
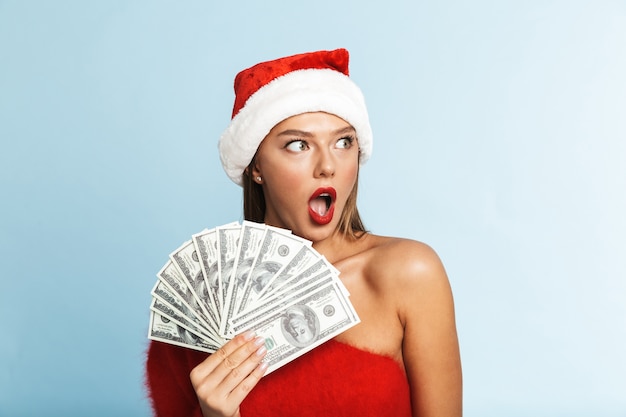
(325, 164)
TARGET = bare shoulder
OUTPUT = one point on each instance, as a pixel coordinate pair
(409, 277)
(409, 262)
(408, 273)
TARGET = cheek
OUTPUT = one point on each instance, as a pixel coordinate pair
(351, 175)
(283, 187)
(275, 168)
(282, 174)
(288, 180)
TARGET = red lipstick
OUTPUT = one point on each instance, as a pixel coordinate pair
(322, 205)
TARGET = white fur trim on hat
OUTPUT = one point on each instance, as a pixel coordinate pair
(297, 92)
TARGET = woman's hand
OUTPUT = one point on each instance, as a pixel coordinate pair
(224, 379)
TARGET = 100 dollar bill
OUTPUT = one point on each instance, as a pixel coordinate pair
(164, 330)
(302, 325)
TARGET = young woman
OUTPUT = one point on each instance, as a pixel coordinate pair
(298, 136)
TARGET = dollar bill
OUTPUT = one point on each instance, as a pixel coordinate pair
(285, 282)
(296, 328)
(163, 330)
(249, 241)
(302, 266)
(227, 244)
(275, 252)
(270, 305)
(174, 307)
(187, 260)
(175, 281)
(206, 245)
(165, 310)
(305, 280)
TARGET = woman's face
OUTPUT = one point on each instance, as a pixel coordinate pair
(308, 164)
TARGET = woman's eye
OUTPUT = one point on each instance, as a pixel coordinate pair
(296, 146)
(345, 143)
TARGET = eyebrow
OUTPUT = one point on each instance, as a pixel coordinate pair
(303, 133)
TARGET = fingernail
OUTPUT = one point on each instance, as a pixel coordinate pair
(249, 335)
(259, 341)
(261, 351)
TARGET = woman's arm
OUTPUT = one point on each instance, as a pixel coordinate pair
(430, 345)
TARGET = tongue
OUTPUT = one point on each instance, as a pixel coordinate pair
(318, 205)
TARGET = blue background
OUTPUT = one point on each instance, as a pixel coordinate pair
(500, 140)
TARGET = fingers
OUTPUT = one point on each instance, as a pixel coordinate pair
(245, 376)
(238, 364)
(224, 379)
(231, 355)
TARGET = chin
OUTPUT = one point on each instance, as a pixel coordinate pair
(317, 233)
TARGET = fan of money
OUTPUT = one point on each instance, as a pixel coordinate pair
(249, 276)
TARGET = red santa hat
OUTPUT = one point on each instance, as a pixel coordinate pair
(272, 91)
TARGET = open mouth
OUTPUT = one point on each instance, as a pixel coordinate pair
(322, 205)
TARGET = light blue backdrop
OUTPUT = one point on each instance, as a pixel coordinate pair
(500, 140)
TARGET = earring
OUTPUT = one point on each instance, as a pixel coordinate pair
(259, 179)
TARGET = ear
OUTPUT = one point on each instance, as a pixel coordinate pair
(256, 172)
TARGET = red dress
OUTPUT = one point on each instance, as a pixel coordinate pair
(333, 379)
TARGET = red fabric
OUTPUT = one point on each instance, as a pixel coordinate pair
(248, 81)
(333, 379)
(167, 380)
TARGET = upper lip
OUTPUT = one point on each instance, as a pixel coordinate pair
(325, 191)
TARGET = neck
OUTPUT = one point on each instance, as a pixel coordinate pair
(337, 247)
